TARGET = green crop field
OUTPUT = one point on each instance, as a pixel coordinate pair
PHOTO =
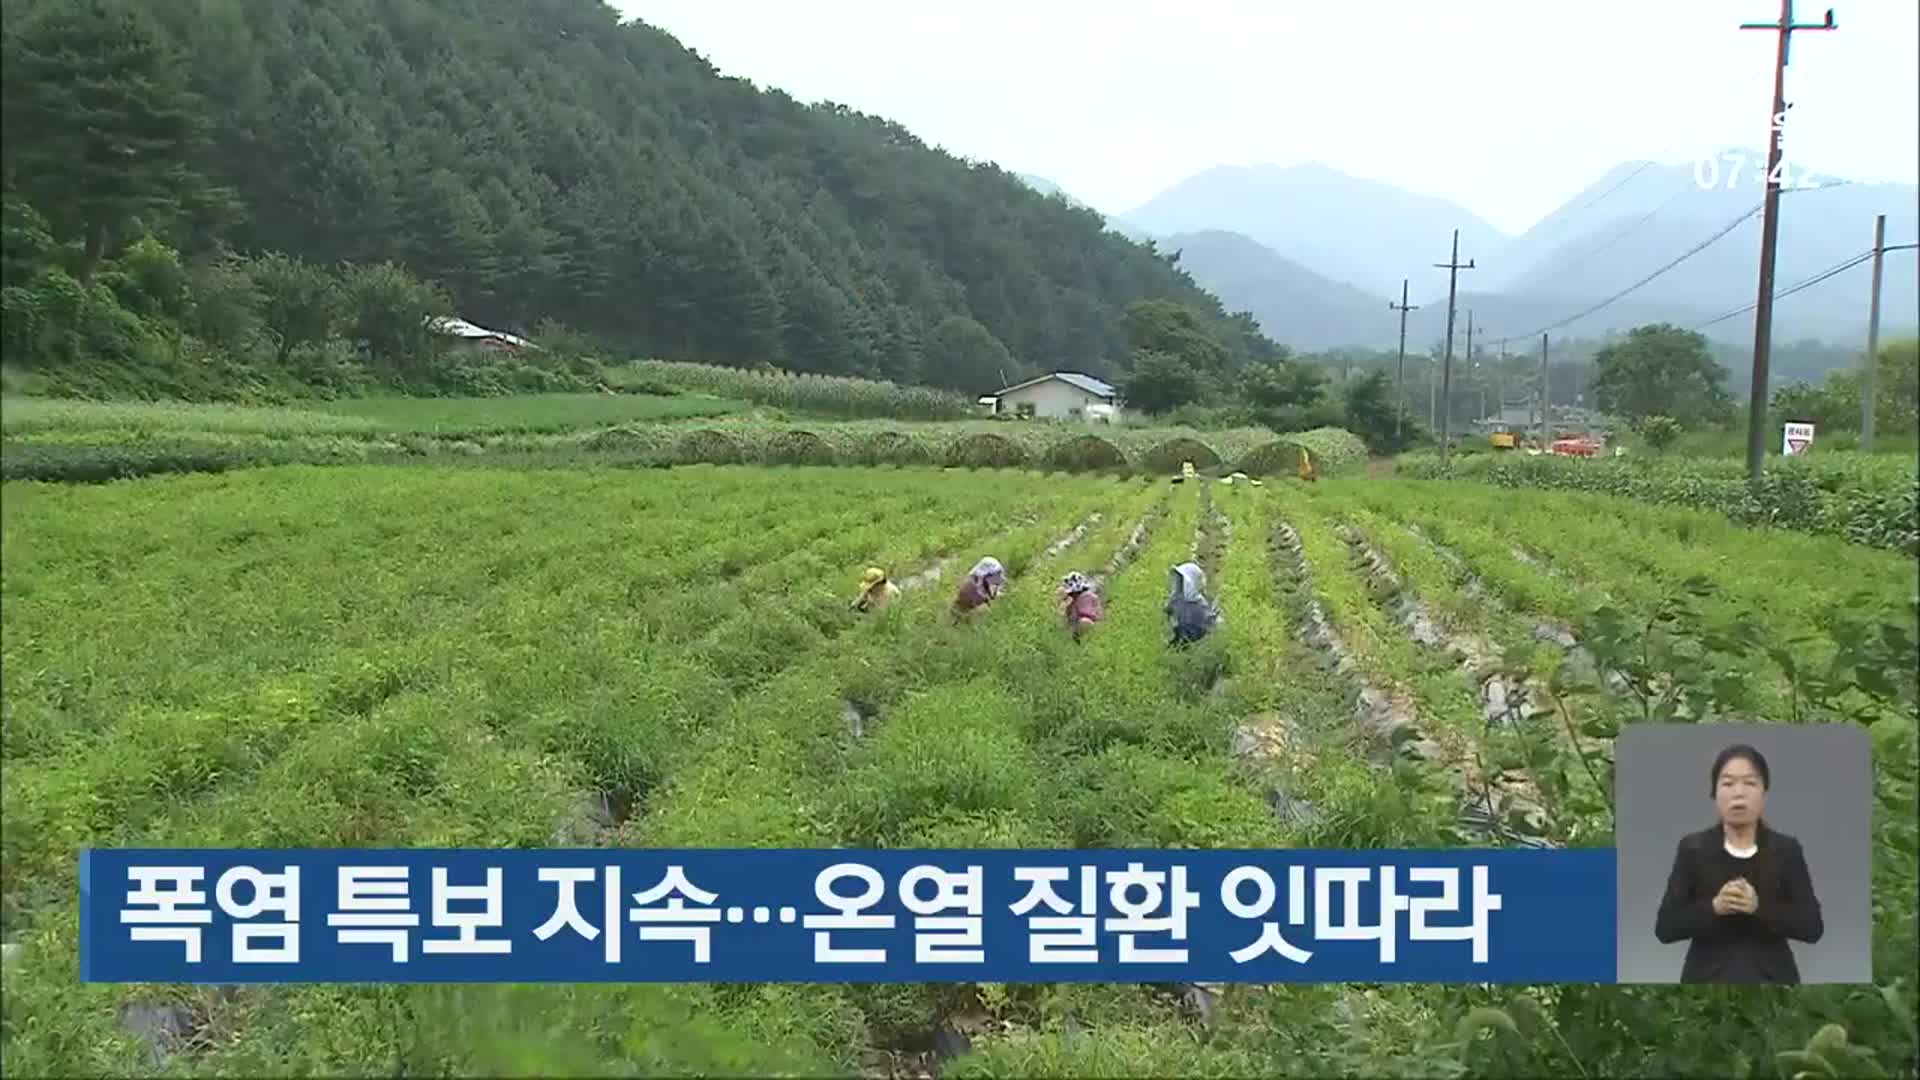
(423, 654)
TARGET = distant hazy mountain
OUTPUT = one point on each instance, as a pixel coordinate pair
(1362, 232)
(1294, 305)
(1047, 187)
(1641, 216)
(1630, 222)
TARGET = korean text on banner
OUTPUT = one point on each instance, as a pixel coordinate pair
(822, 916)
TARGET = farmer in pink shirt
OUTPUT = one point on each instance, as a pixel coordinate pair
(1083, 603)
(983, 584)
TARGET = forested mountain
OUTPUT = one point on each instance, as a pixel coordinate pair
(539, 159)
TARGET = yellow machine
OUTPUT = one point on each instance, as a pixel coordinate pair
(1501, 440)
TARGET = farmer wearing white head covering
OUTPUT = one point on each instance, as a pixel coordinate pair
(982, 585)
(1194, 616)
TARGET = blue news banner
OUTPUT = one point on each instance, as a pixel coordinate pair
(833, 916)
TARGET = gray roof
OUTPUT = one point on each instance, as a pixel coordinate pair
(1072, 378)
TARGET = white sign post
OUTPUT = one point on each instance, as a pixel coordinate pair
(1796, 439)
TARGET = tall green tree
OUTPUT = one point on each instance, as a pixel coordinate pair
(1662, 370)
(964, 355)
(1160, 382)
(1369, 411)
(101, 126)
(1166, 326)
(300, 303)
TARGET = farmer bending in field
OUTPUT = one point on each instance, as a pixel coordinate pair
(1083, 603)
(876, 591)
(984, 582)
(1194, 616)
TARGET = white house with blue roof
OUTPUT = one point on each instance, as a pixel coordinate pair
(1061, 395)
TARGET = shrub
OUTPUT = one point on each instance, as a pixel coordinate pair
(796, 448)
(1659, 431)
(984, 451)
(709, 446)
(892, 448)
(1084, 453)
(1169, 454)
(1866, 500)
(1334, 449)
(1276, 458)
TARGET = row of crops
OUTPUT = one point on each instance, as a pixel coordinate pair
(1866, 498)
(1066, 448)
(381, 656)
(818, 395)
(90, 443)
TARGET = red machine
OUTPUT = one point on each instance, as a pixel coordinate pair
(1575, 447)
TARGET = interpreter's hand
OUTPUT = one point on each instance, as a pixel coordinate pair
(1727, 901)
(1746, 899)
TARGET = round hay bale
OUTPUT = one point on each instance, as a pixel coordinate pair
(985, 451)
(1276, 458)
(892, 448)
(1084, 453)
(707, 446)
(797, 448)
(1168, 456)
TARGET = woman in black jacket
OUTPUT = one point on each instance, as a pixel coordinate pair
(1739, 890)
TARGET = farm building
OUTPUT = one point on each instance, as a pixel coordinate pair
(479, 337)
(1062, 395)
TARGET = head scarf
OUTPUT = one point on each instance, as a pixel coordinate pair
(1075, 583)
(1189, 584)
(989, 575)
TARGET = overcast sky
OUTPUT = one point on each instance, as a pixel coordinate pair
(1508, 107)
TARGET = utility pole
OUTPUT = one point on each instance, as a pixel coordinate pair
(1401, 389)
(1500, 383)
(1867, 400)
(1433, 400)
(1473, 369)
(1769, 235)
(1546, 393)
(1453, 268)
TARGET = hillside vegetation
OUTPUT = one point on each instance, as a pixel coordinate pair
(544, 161)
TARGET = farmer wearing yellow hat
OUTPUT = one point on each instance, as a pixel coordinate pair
(875, 591)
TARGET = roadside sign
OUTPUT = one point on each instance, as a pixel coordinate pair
(1797, 438)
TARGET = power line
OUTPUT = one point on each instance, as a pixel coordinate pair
(1691, 185)
(1595, 201)
(1623, 233)
(1823, 275)
(1808, 283)
(1684, 256)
